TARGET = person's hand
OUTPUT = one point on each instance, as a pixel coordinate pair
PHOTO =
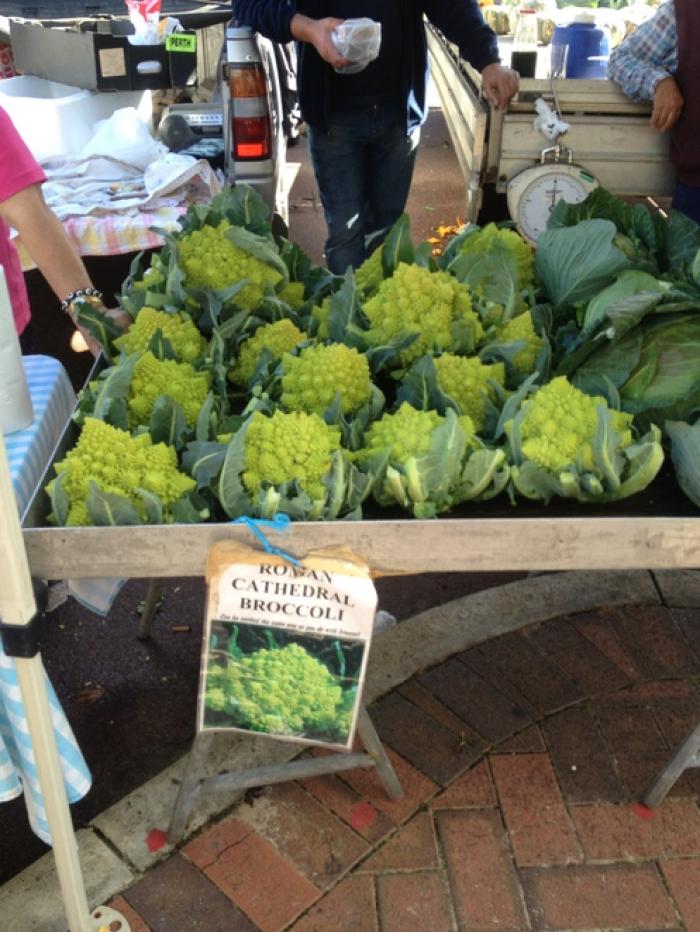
(119, 317)
(668, 103)
(319, 32)
(499, 85)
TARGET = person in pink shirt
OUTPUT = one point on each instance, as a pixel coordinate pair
(23, 208)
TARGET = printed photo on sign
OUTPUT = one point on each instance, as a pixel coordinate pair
(273, 681)
(285, 649)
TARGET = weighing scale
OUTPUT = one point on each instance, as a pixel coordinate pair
(533, 194)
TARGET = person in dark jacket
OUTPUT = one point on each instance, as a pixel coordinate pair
(364, 127)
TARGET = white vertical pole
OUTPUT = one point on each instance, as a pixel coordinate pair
(17, 607)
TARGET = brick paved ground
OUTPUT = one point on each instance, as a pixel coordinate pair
(521, 760)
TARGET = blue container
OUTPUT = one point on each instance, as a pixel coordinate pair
(580, 50)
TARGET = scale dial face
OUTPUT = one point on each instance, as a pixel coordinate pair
(534, 193)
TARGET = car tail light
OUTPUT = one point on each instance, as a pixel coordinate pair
(247, 81)
(251, 138)
(250, 117)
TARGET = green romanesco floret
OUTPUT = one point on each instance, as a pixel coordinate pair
(278, 338)
(430, 305)
(406, 433)
(559, 426)
(520, 329)
(177, 380)
(153, 277)
(119, 464)
(292, 294)
(320, 313)
(514, 243)
(281, 690)
(370, 274)
(178, 329)
(311, 380)
(289, 446)
(211, 260)
(466, 380)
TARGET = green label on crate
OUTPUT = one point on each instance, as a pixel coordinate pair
(180, 42)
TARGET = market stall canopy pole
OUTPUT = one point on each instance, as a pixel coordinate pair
(17, 610)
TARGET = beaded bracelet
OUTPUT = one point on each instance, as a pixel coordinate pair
(80, 293)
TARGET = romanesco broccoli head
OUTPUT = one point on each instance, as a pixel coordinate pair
(119, 464)
(559, 425)
(513, 242)
(211, 260)
(293, 294)
(278, 337)
(430, 305)
(281, 690)
(289, 446)
(178, 329)
(370, 274)
(466, 380)
(520, 329)
(320, 313)
(406, 434)
(177, 380)
(311, 380)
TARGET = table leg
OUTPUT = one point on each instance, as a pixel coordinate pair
(686, 755)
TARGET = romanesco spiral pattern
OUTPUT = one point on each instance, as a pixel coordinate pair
(284, 447)
(211, 260)
(417, 301)
(559, 425)
(311, 379)
(278, 338)
(465, 380)
(406, 434)
(281, 691)
(520, 329)
(370, 274)
(178, 329)
(119, 464)
(177, 380)
(513, 242)
(293, 294)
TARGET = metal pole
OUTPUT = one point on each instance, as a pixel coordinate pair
(18, 607)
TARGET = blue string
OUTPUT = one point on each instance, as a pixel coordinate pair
(279, 523)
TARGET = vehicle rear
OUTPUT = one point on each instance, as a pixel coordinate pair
(255, 142)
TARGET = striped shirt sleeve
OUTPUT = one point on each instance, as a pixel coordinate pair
(647, 56)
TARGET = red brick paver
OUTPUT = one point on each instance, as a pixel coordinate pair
(609, 897)
(349, 907)
(414, 903)
(484, 883)
(537, 820)
(521, 761)
(683, 879)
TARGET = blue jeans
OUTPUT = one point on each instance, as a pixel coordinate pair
(363, 165)
(686, 198)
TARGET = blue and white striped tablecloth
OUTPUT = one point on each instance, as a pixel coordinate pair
(29, 452)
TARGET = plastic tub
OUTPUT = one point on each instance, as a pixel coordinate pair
(580, 50)
(58, 119)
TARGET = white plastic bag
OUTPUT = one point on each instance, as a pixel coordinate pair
(358, 40)
(125, 136)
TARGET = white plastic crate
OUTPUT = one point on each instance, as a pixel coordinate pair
(58, 119)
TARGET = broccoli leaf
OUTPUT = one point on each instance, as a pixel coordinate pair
(685, 453)
(108, 510)
(203, 461)
(575, 263)
(168, 424)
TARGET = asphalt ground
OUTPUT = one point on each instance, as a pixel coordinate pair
(132, 703)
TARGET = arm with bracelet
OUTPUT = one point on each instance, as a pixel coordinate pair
(22, 207)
